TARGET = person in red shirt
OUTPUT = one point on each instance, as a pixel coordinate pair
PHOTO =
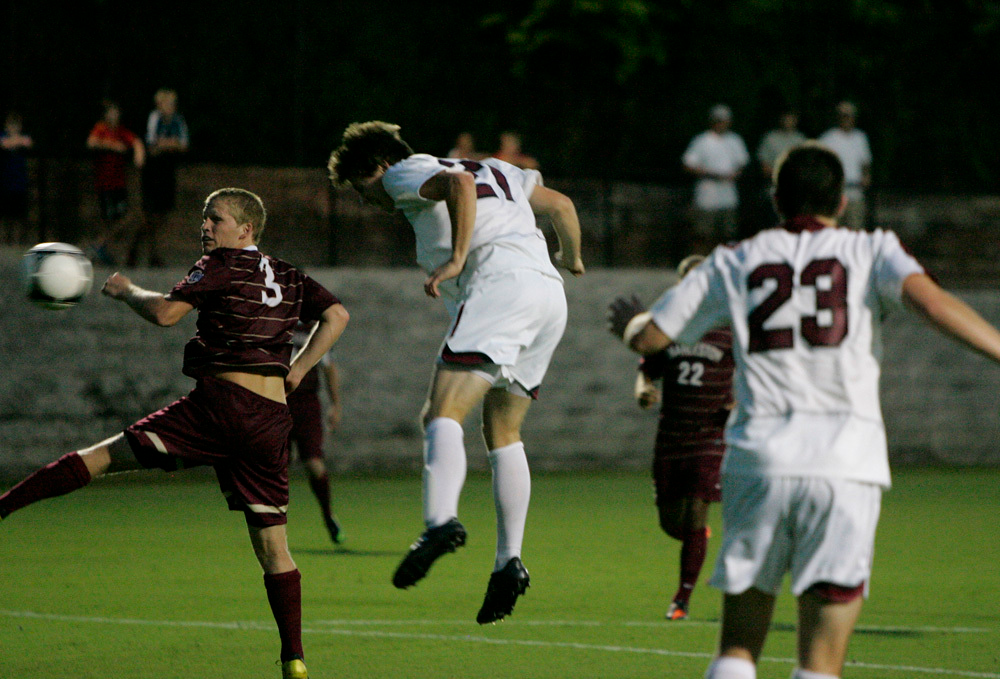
(696, 397)
(235, 419)
(112, 145)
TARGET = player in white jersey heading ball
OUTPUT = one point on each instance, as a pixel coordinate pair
(806, 458)
(477, 240)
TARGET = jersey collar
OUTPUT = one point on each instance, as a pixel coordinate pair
(803, 223)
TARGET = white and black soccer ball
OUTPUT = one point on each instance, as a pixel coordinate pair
(56, 275)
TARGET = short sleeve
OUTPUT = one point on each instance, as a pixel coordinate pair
(694, 306)
(743, 156)
(866, 151)
(692, 155)
(315, 300)
(208, 275)
(893, 264)
(403, 180)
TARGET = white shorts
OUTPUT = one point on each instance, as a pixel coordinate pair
(818, 530)
(506, 329)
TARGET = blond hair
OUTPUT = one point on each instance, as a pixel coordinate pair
(245, 207)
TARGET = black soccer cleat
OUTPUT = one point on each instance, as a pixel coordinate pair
(434, 543)
(336, 532)
(505, 586)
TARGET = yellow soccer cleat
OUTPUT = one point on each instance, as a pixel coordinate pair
(294, 669)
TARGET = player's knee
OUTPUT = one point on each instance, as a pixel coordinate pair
(500, 436)
(270, 545)
(670, 525)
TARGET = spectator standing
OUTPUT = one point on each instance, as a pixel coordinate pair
(14, 147)
(851, 146)
(112, 145)
(510, 152)
(772, 145)
(465, 148)
(777, 141)
(716, 158)
(168, 140)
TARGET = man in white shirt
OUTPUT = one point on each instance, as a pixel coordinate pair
(477, 240)
(716, 157)
(806, 456)
(851, 146)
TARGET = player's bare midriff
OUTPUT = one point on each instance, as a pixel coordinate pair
(269, 386)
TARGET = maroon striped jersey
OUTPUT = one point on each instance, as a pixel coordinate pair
(697, 390)
(248, 305)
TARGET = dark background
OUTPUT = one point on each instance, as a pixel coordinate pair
(602, 90)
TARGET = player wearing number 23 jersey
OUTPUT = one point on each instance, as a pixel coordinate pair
(806, 456)
(805, 304)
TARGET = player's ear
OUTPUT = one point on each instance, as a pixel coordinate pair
(843, 206)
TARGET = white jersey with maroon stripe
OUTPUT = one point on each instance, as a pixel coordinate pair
(806, 306)
(505, 236)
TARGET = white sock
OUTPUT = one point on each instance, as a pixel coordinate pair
(799, 673)
(444, 470)
(731, 668)
(511, 493)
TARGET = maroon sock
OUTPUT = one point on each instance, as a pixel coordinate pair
(284, 593)
(321, 489)
(66, 474)
(693, 552)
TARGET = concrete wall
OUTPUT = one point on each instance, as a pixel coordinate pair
(77, 376)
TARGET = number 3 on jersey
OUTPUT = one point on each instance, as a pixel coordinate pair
(274, 299)
(830, 297)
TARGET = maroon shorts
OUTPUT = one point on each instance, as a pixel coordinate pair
(307, 424)
(695, 475)
(242, 435)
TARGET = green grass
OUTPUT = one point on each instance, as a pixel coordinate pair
(156, 580)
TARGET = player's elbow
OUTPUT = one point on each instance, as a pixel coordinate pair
(649, 339)
(337, 315)
(166, 313)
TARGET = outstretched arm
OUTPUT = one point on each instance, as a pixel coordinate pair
(561, 210)
(951, 315)
(155, 307)
(327, 331)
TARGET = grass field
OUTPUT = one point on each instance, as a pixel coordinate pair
(156, 580)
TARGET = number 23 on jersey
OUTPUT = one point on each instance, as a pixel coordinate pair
(828, 277)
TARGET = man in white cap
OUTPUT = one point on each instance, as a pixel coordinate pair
(716, 157)
(851, 146)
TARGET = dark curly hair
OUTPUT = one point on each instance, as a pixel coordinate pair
(364, 147)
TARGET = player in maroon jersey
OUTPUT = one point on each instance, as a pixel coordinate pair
(235, 419)
(697, 395)
(307, 426)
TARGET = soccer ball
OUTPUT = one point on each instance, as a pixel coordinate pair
(56, 275)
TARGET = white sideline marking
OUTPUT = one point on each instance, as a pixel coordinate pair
(466, 638)
(644, 623)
